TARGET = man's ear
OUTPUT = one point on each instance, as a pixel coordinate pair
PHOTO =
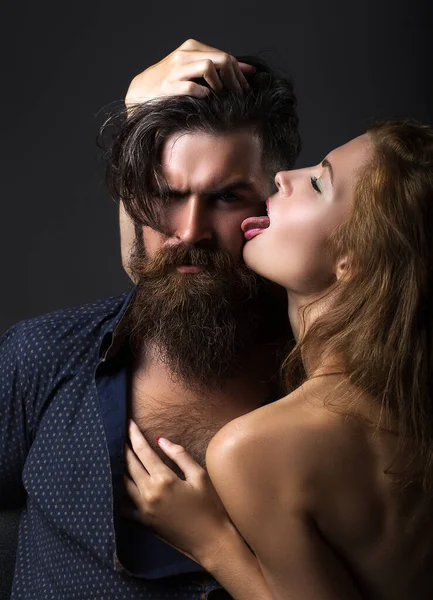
(342, 268)
(127, 238)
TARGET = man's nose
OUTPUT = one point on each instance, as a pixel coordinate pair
(283, 181)
(193, 221)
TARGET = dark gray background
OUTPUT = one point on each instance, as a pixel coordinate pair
(64, 61)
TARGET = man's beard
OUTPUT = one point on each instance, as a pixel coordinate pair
(203, 325)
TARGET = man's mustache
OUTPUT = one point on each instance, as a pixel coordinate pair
(171, 256)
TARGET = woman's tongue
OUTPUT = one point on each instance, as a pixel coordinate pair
(255, 223)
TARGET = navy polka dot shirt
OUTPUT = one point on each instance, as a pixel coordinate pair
(63, 389)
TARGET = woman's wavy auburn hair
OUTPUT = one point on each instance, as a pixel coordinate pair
(382, 319)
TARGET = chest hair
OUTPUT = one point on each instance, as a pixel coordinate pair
(164, 407)
(185, 423)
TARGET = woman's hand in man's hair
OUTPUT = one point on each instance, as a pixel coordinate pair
(193, 69)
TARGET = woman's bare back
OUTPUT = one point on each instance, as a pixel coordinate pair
(368, 518)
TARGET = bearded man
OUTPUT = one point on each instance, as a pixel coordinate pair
(192, 346)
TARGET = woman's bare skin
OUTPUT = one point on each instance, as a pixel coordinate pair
(306, 484)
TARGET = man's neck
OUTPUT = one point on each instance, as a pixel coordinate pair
(241, 392)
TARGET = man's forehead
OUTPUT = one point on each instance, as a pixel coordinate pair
(201, 161)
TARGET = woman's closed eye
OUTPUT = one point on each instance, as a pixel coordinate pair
(316, 184)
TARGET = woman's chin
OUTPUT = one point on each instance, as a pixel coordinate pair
(253, 258)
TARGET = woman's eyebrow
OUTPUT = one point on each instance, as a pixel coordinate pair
(327, 164)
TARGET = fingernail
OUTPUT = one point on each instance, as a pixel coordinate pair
(162, 441)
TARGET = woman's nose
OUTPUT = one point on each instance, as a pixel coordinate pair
(283, 182)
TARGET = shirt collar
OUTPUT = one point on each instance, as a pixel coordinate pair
(115, 333)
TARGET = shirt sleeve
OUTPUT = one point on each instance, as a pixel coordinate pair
(13, 429)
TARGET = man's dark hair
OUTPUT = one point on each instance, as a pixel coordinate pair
(133, 156)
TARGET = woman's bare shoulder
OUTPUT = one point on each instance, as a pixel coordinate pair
(291, 436)
(303, 411)
(298, 442)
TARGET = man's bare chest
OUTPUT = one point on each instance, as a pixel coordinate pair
(162, 407)
(191, 428)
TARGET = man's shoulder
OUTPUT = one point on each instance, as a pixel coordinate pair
(85, 316)
(75, 327)
(91, 311)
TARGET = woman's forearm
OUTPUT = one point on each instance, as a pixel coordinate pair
(189, 515)
(235, 567)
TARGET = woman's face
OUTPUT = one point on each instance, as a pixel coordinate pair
(309, 205)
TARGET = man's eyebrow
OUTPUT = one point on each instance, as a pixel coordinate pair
(169, 192)
(327, 164)
(237, 186)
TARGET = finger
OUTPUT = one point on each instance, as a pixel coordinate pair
(148, 457)
(136, 470)
(188, 88)
(241, 77)
(131, 489)
(222, 62)
(134, 494)
(212, 62)
(204, 68)
(128, 504)
(228, 77)
(185, 57)
(247, 68)
(180, 456)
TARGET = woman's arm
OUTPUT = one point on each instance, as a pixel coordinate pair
(189, 515)
(265, 485)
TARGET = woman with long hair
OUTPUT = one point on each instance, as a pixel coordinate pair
(326, 493)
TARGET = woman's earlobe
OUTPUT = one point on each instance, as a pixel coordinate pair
(342, 269)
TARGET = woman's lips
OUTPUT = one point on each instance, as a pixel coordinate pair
(254, 225)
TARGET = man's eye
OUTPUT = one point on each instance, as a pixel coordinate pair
(229, 198)
(315, 185)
